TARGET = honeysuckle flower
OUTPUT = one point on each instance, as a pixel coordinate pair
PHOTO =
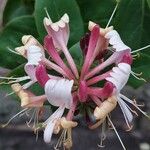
(29, 102)
(33, 52)
(59, 31)
(58, 93)
(68, 87)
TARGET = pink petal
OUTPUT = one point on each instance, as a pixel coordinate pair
(91, 47)
(30, 70)
(112, 59)
(102, 93)
(82, 93)
(41, 75)
(48, 44)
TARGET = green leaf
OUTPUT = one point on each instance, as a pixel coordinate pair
(17, 8)
(98, 11)
(11, 37)
(129, 22)
(148, 1)
(141, 64)
(146, 30)
(18, 71)
(56, 9)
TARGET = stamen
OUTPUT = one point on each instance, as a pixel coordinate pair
(133, 111)
(14, 117)
(27, 85)
(131, 102)
(15, 80)
(47, 13)
(124, 114)
(2, 83)
(112, 14)
(116, 132)
(32, 116)
(139, 105)
(103, 135)
(8, 94)
(136, 55)
(140, 49)
(8, 78)
(111, 49)
(68, 141)
(12, 51)
(136, 76)
(61, 139)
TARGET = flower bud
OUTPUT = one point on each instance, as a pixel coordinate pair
(67, 124)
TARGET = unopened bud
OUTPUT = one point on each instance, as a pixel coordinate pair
(105, 108)
(26, 38)
(20, 50)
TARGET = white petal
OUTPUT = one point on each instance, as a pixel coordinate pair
(115, 41)
(58, 92)
(61, 24)
(127, 113)
(49, 131)
(47, 21)
(34, 54)
(65, 18)
(112, 80)
(55, 26)
(30, 70)
(126, 68)
(120, 47)
(51, 123)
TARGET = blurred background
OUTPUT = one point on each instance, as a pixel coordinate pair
(20, 17)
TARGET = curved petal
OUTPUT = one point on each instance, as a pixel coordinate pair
(34, 55)
(115, 41)
(51, 121)
(58, 92)
(41, 75)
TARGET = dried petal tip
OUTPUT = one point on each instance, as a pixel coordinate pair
(26, 38)
(17, 88)
(105, 108)
(67, 124)
(91, 25)
(20, 50)
(24, 98)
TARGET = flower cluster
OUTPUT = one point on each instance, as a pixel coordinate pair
(96, 85)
